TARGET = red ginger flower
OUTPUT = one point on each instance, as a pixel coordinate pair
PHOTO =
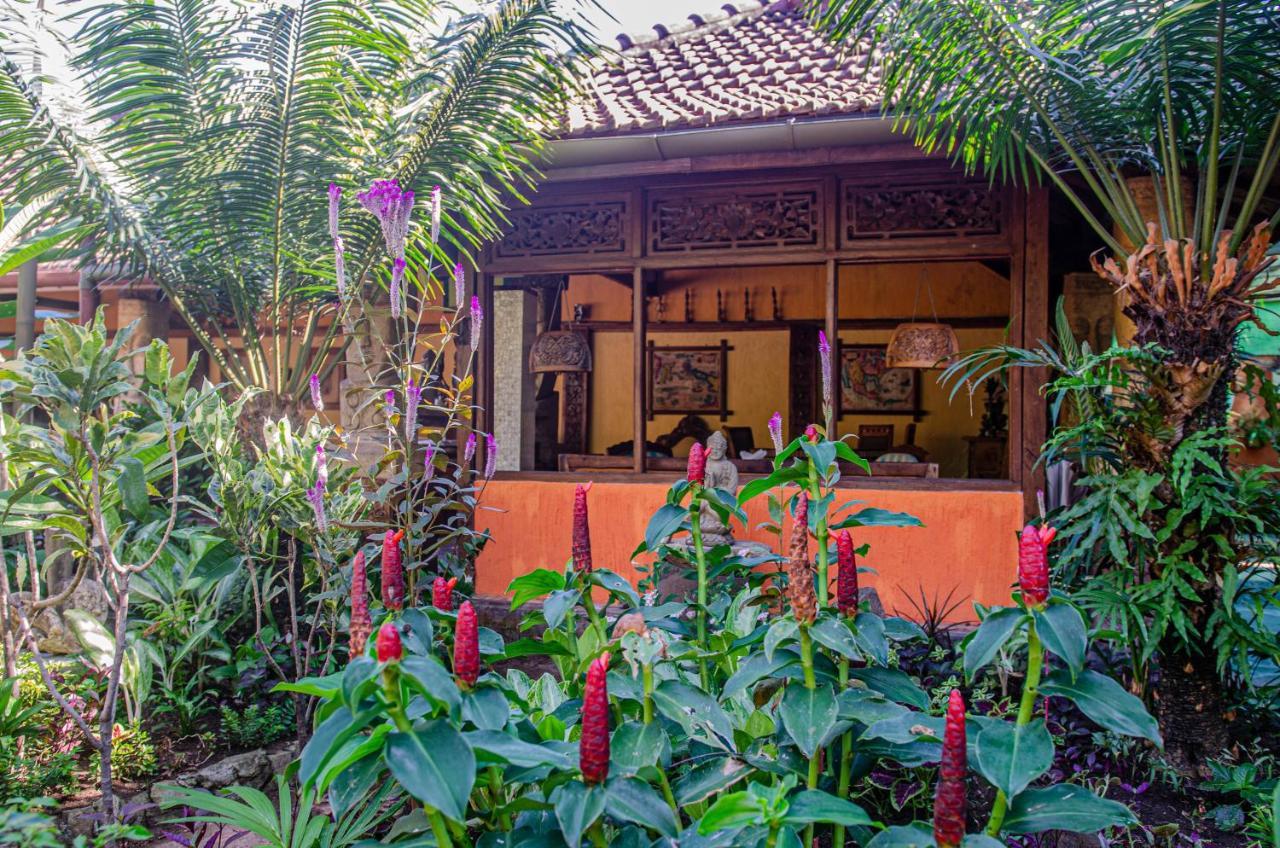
(392, 571)
(388, 645)
(466, 646)
(697, 464)
(442, 593)
(846, 575)
(593, 746)
(361, 624)
(581, 532)
(949, 805)
(1033, 564)
(811, 433)
(800, 593)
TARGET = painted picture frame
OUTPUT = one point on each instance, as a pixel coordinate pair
(868, 387)
(687, 380)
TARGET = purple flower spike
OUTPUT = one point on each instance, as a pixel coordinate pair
(469, 452)
(390, 398)
(397, 279)
(335, 197)
(322, 467)
(477, 321)
(317, 399)
(459, 283)
(340, 268)
(435, 214)
(393, 208)
(828, 386)
(490, 456)
(775, 431)
(316, 495)
(429, 460)
(412, 395)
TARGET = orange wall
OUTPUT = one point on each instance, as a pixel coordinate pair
(967, 543)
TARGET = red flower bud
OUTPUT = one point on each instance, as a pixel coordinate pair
(593, 745)
(1033, 564)
(442, 593)
(361, 624)
(466, 646)
(800, 592)
(811, 433)
(581, 532)
(388, 645)
(846, 575)
(949, 804)
(697, 463)
(392, 571)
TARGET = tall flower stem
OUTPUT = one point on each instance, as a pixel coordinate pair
(810, 683)
(700, 557)
(821, 533)
(646, 677)
(846, 757)
(1035, 664)
(391, 687)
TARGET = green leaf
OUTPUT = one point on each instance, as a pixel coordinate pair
(834, 633)
(1010, 757)
(503, 747)
(869, 633)
(876, 517)
(1064, 807)
(663, 524)
(429, 677)
(132, 482)
(814, 805)
(995, 630)
(911, 836)
(486, 708)
(96, 641)
(1063, 632)
(615, 585)
(635, 745)
(809, 715)
(731, 812)
(558, 604)
(358, 673)
(695, 711)
(893, 684)
(1105, 702)
(778, 633)
(434, 765)
(631, 800)
(535, 584)
(329, 738)
(316, 687)
(708, 778)
(755, 668)
(867, 707)
(576, 807)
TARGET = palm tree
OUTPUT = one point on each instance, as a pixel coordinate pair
(1087, 95)
(200, 137)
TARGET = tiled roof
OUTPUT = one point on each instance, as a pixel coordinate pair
(750, 61)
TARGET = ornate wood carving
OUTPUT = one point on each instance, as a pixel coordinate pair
(789, 217)
(573, 412)
(589, 227)
(896, 212)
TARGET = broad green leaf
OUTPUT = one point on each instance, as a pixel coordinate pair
(911, 836)
(731, 812)
(1010, 757)
(358, 679)
(990, 637)
(695, 711)
(814, 805)
(535, 584)
(615, 585)
(1064, 807)
(486, 708)
(427, 676)
(708, 778)
(503, 747)
(631, 800)
(576, 806)
(757, 667)
(808, 715)
(875, 517)
(779, 632)
(869, 633)
(663, 524)
(132, 482)
(893, 684)
(559, 604)
(834, 633)
(1105, 702)
(434, 765)
(96, 641)
(635, 745)
(1063, 632)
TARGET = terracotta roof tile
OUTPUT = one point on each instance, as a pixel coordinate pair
(747, 61)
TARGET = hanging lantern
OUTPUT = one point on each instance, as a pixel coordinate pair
(920, 345)
(560, 350)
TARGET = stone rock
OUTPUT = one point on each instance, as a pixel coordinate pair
(52, 635)
(90, 596)
(281, 756)
(252, 768)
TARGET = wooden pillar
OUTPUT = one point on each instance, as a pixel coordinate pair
(1035, 329)
(484, 371)
(638, 333)
(831, 321)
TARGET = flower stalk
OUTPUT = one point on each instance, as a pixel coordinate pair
(1030, 690)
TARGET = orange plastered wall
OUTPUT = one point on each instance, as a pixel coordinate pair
(967, 543)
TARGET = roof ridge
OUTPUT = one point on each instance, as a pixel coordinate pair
(697, 24)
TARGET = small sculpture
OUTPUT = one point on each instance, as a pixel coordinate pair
(579, 313)
(721, 473)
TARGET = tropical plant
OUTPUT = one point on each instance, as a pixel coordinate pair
(88, 475)
(1087, 94)
(191, 134)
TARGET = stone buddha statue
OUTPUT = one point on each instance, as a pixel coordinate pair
(721, 473)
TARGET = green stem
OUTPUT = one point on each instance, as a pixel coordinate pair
(438, 827)
(806, 662)
(646, 677)
(670, 796)
(820, 532)
(846, 758)
(495, 786)
(596, 832)
(695, 531)
(772, 841)
(1035, 664)
(391, 687)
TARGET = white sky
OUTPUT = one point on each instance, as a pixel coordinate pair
(635, 16)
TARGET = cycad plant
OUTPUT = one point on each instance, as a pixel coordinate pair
(1087, 95)
(197, 137)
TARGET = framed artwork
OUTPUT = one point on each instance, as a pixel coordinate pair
(684, 380)
(867, 386)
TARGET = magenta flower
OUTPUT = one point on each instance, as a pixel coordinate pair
(397, 278)
(828, 386)
(477, 321)
(775, 431)
(412, 396)
(459, 283)
(393, 208)
(322, 467)
(340, 268)
(435, 214)
(317, 399)
(469, 452)
(335, 197)
(429, 461)
(316, 495)
(490, 456)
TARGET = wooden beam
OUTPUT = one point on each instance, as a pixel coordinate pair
(638, 386)
(1035, 328)
(832, 328)
(1017, 322)
(966, 322)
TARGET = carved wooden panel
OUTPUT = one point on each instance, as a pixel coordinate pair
(787, 217)
(585, 228)
(574, 408)
(905, 212)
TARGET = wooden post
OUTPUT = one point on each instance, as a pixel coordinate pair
(638, 351)
(1035, 328)
(832, 328)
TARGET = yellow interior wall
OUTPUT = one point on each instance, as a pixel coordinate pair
(759, 360)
